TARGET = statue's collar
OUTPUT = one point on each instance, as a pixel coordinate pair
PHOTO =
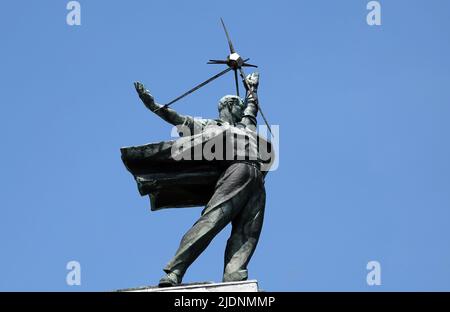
(221, 122)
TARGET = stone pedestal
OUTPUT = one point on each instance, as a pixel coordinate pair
(243, 286)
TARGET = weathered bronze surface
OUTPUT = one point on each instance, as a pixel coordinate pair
(231, 188)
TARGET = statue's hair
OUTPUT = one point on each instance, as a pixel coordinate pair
(228, 100)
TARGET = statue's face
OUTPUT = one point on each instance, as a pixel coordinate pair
(234, 106)
(236, 111)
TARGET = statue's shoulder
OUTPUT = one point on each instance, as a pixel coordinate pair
(203, 122)
(197, 124)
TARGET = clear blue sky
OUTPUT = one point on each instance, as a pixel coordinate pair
(364, 154)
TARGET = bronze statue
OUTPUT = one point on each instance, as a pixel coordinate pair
(232, 189)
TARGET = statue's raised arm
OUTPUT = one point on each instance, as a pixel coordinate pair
(251, 111)
(166, 113)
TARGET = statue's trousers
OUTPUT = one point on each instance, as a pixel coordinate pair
(239, 198)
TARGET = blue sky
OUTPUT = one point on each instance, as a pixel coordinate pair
(364, 170)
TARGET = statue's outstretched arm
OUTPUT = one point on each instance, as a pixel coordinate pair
(165, 113)
(251, 111)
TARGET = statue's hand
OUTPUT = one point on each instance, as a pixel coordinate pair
(253, 80)
(145, 96)
(140, 89)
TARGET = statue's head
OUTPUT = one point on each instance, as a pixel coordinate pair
(231, 108)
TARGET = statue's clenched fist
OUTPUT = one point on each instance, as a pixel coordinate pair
(253, 80)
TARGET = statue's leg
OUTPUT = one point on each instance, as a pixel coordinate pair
(195, 241)
(244, 237)
(215, 217)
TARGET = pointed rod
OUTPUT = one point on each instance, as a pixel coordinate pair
(196, 87)
(230, 44)
(236, 82)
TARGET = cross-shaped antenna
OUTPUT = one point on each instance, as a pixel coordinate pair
(234, 62)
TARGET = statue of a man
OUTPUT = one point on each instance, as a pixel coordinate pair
(239, 194)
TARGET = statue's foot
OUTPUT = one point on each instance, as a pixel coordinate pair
(236, 276)
(169, 280)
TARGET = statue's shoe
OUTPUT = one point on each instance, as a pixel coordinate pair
(236, 276)
(169, 280)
